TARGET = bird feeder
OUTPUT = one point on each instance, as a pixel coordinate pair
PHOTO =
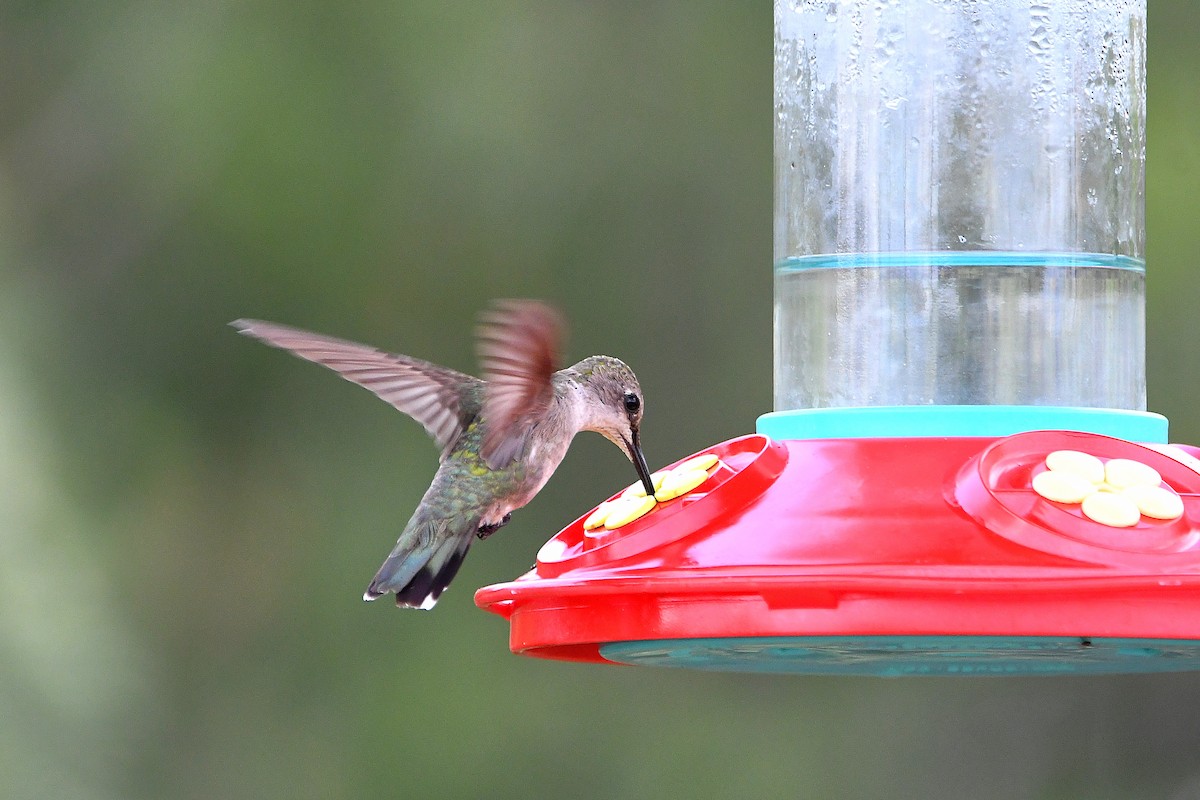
(959, 302)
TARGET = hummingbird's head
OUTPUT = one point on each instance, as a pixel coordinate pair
(612, 406)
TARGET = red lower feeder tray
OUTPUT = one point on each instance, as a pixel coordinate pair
(874, 556)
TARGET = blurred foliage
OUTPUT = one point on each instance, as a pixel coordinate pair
(186, 520)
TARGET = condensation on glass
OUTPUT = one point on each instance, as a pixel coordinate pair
(959, 212)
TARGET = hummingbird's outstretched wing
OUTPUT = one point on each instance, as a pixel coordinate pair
(519, 350)
(438, 398)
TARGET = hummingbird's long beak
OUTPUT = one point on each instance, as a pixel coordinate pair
(639, 463)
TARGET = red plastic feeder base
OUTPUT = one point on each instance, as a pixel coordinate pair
(875, 556)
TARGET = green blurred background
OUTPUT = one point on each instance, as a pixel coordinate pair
(187, 519)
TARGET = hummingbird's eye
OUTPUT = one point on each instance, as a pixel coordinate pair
(632, 402)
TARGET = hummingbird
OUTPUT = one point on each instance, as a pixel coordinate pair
(501, 436)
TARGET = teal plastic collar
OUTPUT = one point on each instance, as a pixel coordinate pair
(959, 421)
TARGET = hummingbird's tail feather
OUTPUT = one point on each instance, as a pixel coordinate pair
(421, 566)
(431, 580)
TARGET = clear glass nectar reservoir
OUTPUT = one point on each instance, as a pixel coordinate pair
(959, 213)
